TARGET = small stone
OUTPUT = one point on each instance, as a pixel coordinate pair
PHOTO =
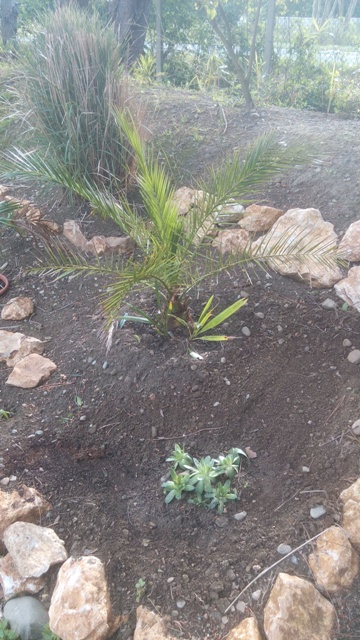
(5, 482)
(230, 574)
(13, 478)
(317, 512)
(329, 304)
(154, 432)
(354, 356)
(294, 560)
(284, 549)
(224, 620)
(92, 428)
(180, 603)
(256, 595)
(105, 365)
(246, 331)
(223, 360)
(347, 343)
(305, 469)
(260, 315)
(241, 606)
(170, 580)
(82, 418)
(356, 428)
(240, 516)
(221, 522)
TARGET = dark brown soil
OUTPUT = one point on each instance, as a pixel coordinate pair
(95, 438)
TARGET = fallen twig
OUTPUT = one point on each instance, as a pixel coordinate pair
(272, 566)
(336, 408)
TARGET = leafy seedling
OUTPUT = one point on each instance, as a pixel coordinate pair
(179, 457)
(179, 483)
(5, 415)
(229, 465)
(220, 495)
(140, 588)
(202, 474)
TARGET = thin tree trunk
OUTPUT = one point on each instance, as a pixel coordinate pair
(253, 41)
(130, 18)
(159, 41)
(269, 36)
(9, 14)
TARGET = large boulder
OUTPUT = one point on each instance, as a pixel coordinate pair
(300, 230)
(348, 289)
(295, 609)
(33, 549)
(31, 371)
(183, 199)
(10, 343)
(149, 626)
(98, 245)
(258, 218)
(349, 247)
(80, 606)
(17, 308)
(334, 563)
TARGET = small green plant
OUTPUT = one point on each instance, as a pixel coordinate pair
(220, 495)
(6, 633)
(5, 415)
(47, 634)
(140, 588)
(179, 457)
(179, 483)
(203, 478)
(206, 322)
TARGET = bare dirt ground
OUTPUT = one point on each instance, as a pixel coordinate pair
(287, 391)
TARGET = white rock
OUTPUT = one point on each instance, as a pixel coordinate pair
(24, 504)
(356, 428)
(246, 331)
(354, 356)
(33, 549)
(17, 308)
(27, 616)
(256, 595)
(349, 247)
(240, 606)
(348, 289)
(248, 629)
(12, 583)
(334, 562)
(284, 549)
(232, 241)
(80, 606)
(240, 516)
(9, 343)
(347, 343)
(258, 218)
(318, 511)
(302, 229)
(31, 371)
(150, 626)
(295, 609)
(230, 212)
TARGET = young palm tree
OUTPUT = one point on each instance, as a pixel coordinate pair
(168, 259)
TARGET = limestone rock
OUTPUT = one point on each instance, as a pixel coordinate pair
(351, 521)
(24, 504)
(184, 200)
(149, 626)
(18, 308)
(72, 232)
(13, 583)
(296, 609)
(334, 562)
(230, 212)
(232, 241)
(33, 549)
(31, 371)
(258, 218)
(9, 344)
(349, 247)
(27, 616)
(303, 229)
(28, 345)
(348, 289)
(101, 245)
(247, 630)
(352, 492)
(80, 606)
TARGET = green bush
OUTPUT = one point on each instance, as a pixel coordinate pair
(71, 79)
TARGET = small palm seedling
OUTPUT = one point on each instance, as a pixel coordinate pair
(179, 483)
(202, 473)
(220, 495)
(140, 588)
(179, 457)
(198, 329)
(229, 465)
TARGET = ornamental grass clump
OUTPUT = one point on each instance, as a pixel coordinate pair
(208, 480)
(71, 78)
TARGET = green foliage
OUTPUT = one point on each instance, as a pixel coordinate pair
(201, 478)
(5, 415)
(47, 634)
(71, 78)
(6, 633)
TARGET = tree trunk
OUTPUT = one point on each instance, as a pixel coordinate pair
(130, 18)
(159, 42)
(269, 36)
(9, 14)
